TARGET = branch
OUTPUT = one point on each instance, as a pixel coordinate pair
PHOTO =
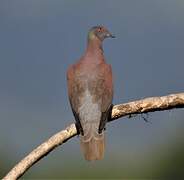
(150, 104)
(136, 107)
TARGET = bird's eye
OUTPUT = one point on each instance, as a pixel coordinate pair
(99, 29)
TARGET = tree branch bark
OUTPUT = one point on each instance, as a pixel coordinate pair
(136, 107)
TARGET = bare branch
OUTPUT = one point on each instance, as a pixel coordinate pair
(41, 151)
(136, 107)
(150, 104)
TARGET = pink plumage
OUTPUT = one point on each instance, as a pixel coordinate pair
(90, 91)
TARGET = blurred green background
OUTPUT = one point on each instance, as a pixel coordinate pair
(39, 39)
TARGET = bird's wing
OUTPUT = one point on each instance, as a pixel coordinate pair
(106, 95)
(70, 82)
(74, 92)
(108, 88)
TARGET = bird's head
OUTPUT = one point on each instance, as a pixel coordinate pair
(100, 33)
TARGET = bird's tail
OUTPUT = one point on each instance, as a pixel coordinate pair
(92, 143)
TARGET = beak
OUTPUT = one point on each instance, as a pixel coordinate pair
(112, 36)
(109, 35)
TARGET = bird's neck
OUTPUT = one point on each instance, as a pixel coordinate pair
(94, 50)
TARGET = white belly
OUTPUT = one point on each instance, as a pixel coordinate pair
(89, 111)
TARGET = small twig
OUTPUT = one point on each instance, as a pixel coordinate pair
(128, 109)
(145, 118)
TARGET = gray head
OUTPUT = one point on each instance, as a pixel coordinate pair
(99, 32)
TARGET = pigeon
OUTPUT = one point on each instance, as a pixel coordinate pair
(90, 91)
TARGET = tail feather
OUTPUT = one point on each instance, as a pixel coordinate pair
(92, 143)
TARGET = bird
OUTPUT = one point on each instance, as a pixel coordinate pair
(90, 92)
